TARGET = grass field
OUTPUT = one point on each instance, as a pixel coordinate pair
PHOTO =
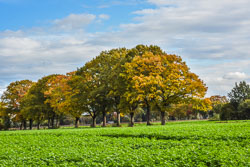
(199, 143)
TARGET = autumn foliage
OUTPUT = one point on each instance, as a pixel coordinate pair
(121, 80)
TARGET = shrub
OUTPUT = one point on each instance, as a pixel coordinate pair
(1, 126)
(228, 112)
(216, 117)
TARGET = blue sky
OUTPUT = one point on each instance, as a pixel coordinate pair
(21, 14)
(41, 37)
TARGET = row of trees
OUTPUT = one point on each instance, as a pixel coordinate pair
(120, 80)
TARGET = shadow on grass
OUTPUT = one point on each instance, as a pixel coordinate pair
(177, 138)
(149, 136)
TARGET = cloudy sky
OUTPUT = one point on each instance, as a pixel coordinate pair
(38, 38)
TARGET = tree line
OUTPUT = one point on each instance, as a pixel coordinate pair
(120, 80)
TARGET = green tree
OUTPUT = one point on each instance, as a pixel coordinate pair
(100, 92)
(77, 98)
(129, 104)
(34, 104)
(180, 111)
(117, 84)
(217, 103)
(83, 85)
(104, 73)
(244, 109)
(228, 112)
(239, 93)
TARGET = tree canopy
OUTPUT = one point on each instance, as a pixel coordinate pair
(126, 81)
(239, 93)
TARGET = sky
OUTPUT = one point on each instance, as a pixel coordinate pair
(38, 38)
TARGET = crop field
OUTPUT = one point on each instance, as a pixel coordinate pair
(199, 143)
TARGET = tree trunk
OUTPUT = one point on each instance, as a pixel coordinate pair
(38, 125)
(31, 123)
(163, 120)
(118, 118)
(24, 125)
(53, 122)
(21, 126)
(77, 122)
(198, 116)
(49, 123)
(57, 122)
(6, 123)
(93, 121)
(132, 120)
(148, 113)
(104, 119)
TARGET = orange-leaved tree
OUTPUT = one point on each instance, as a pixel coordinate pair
(217, 103)
(60, 95)
(163, 79)
(13, 96)
(55, 96)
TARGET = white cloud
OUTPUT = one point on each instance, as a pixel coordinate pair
(212, 36)
(221, 77)
(145, 12)
(236, 75)
(201, 29)
(29, 58)
(74, 21)
(12, 46)
(104, 16)
(103, 6)
(2, 89)
(34, 53)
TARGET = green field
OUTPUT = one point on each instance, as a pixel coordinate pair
(200, 143)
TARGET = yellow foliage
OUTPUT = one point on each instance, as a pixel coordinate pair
(165, 78)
